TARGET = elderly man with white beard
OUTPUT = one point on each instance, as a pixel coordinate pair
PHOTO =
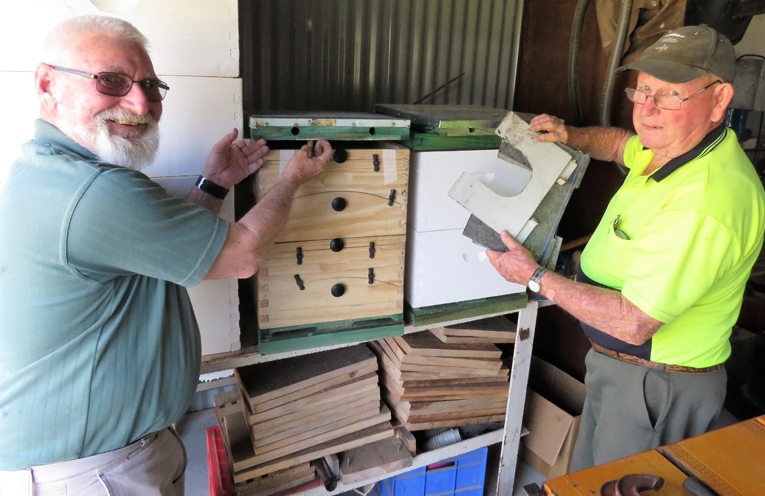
(99, 347)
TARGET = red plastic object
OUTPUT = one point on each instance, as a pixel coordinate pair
(217, 466)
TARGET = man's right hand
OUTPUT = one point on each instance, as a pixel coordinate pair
(556, 130)
(309, 161)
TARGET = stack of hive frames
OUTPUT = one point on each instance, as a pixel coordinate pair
(336, 274)
(292, 411)
(430, 384)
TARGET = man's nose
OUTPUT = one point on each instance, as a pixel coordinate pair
(649, 107)
(136, 100)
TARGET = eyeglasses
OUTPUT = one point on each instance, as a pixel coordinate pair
(116, 84)
(664, 102)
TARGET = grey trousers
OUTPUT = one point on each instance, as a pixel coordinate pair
(630, 409)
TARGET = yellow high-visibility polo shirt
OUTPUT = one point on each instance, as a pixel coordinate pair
(680, 244)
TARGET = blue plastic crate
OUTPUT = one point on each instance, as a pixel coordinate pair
(462, 475)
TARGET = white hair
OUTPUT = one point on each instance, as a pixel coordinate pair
(56, 46)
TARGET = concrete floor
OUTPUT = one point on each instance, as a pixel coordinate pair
(192, 428)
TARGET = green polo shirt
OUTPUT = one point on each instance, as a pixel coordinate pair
(98, 341)
(694, 228)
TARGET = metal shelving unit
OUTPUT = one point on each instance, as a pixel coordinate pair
(509, 436)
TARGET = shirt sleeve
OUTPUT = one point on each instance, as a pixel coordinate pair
(125, 224)
(676, 258)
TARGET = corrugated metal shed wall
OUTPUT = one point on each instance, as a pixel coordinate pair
(351, 54)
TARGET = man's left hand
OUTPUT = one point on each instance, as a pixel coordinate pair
(515, 265)
(231, 161)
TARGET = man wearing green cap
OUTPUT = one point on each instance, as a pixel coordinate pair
(661, 281)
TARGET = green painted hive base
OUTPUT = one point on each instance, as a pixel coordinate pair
(464, 309)
(441, 142)
(282, 339)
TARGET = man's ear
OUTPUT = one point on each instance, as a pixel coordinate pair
(44, 83)
(723, 95)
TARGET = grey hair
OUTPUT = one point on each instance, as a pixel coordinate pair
(55, 48)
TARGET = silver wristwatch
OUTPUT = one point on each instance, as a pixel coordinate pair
(535, 281)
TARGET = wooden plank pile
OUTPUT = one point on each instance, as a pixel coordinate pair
(486, 331)
(289, 412)
(430, 384)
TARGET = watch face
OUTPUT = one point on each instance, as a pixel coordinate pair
(534, 286)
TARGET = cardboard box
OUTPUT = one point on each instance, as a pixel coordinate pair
(553, 411)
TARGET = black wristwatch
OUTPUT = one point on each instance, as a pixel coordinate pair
(211, 188)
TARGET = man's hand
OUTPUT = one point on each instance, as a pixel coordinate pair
(309, 161)
(231, 161)
(556, 130)
(515, 265)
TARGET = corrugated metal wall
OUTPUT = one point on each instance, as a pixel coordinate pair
(351, 54)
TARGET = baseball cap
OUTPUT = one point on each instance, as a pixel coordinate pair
(687, 53)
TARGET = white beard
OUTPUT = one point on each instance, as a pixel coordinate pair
(132, 153)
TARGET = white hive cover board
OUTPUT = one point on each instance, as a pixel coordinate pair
(511, 213)
(197, 112)
(433, 173)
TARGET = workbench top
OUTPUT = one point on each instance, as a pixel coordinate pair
(730, 460)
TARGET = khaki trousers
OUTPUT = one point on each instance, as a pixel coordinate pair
(152, 466)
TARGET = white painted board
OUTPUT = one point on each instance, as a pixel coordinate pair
(446, 267)
(215, 303)
(431, 174)
(511, 213)
(197, 112)
(187, 37)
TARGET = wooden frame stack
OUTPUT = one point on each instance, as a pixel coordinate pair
(430, 384)
(290, 412)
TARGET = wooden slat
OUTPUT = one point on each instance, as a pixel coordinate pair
(469, 414)
(388, 348)
(265, 381)
(471, 391)
(309, 430)
(446, 382)
(301, 418)
(504, 337)
(426, 344)
(396, 351)
(302, 393)
(286, 486)
(329, 396)
(374, 459)
(476, 328)
(278, 481)
(448, 373)
(353, 440)
(441, 406)
(437, 424)
(405, 437)
(260, 459)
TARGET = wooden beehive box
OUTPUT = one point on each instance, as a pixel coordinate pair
(340, 258)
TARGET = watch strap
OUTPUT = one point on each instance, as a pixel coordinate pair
(537, 275)
(211, 188)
